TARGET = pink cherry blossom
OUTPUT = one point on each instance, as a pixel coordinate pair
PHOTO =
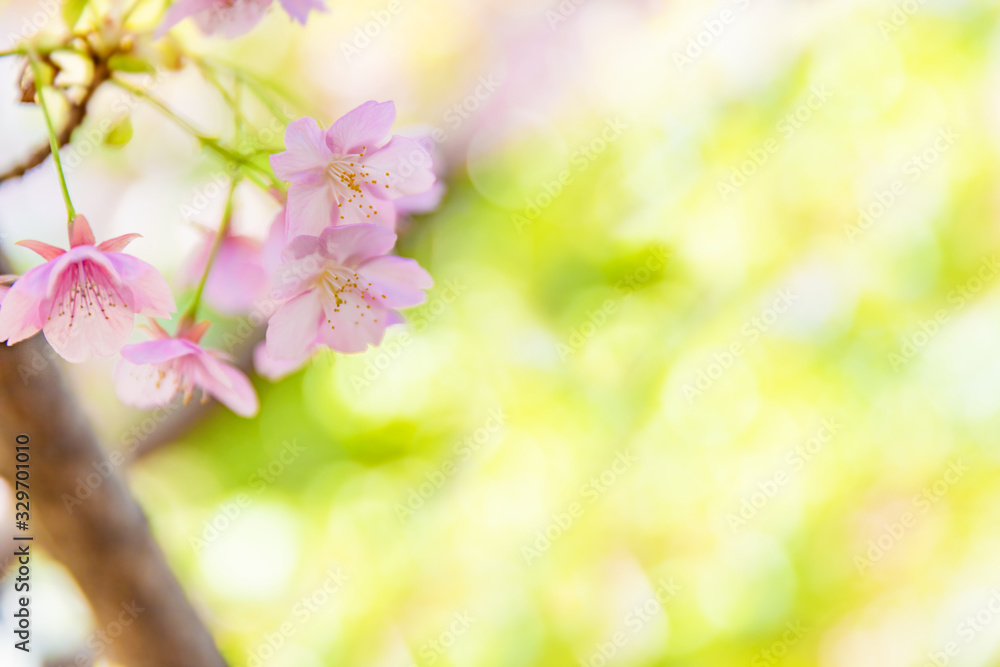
(152, 373)
(341, 290)
(350, 173)
(428, 200)
(5, 286)
(231, 18)
(276, 369)
(84, 299)
(238, 276)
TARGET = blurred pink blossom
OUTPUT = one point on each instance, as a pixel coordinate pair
(238, 276)
(231, 18)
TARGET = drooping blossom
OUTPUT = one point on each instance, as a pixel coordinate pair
(5, 282)
(231, 18)
(238, 276)
(350, 173)
(342, 291)
(84, 299)
(152, 373)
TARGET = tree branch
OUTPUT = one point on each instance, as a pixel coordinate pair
(105, 541)
(77, 113)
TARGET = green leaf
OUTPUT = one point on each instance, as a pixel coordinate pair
(72, 10)
(120, 134)
(125, 63)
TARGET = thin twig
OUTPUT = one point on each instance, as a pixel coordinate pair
(75, 118)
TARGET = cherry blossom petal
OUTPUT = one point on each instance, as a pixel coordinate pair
(401, 280)
(48, 252)
(299, 9)
(402, 167)
(89, 318)
(71, 261)
(276, 369)
(293, 327)
(25, 305)
(227, 384)
(353, 323)
(80, 233)
(237, 278)
(146, 386)
(158, 351)
(305, 151)
(423, 202)
(296, 275)
(180, 10)
(150, 293)
(350, 245)
(118, 243)
(373, 211)
(367, 125)
(231, 18)
(311, 207)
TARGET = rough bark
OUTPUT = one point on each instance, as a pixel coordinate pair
(105, 542)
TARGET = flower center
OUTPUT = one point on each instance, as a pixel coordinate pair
(344, 291)
(87, 293)
(347, 173)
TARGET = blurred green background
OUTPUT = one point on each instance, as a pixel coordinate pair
(710, 374)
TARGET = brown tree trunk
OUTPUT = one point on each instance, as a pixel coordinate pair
(105, 540)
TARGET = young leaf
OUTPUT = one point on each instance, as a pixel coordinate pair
(72, 10)
(120, 134)
(125, 63)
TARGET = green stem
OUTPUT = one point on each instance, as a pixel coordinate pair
(53, 140)
(191, 314)
(209, 142)
(264, 90)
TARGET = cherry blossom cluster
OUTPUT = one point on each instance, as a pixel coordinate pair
(327, 262)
